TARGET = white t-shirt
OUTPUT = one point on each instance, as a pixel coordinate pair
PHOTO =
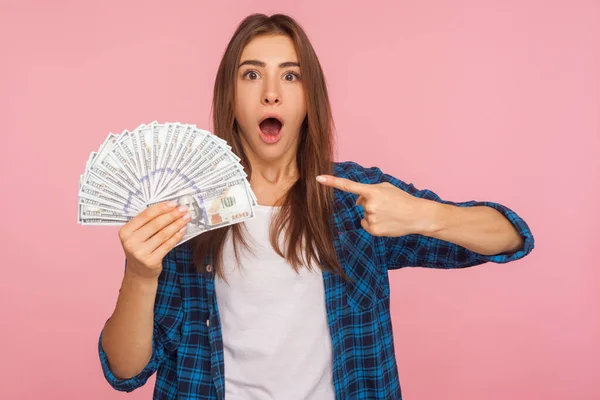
(276, 337)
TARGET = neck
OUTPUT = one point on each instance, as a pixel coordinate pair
(272, 178)
(273, 171)
(276, 172)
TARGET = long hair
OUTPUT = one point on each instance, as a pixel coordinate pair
(307, 207)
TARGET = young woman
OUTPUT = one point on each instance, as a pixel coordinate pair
(294, 303)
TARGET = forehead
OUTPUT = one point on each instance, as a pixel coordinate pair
(270, 49)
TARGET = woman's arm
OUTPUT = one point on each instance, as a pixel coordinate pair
(421, 229)
(127, 335)
(481, 229)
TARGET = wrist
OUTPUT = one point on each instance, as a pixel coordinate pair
(138, 282)
(431, 217)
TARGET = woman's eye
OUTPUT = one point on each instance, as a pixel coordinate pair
(290, 76)
(252, 75)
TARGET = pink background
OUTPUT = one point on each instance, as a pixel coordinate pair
(485, 100)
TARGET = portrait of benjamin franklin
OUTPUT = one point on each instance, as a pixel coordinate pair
(196, 212)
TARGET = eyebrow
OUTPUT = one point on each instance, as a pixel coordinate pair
(262, 64)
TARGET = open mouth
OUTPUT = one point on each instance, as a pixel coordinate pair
(270, 126)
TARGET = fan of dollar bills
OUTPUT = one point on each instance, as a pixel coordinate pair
(161, 162)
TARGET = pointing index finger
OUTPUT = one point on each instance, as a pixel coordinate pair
(343, 184)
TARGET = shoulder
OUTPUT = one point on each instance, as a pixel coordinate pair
(358, 173)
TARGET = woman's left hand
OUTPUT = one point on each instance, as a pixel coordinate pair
(389, 211)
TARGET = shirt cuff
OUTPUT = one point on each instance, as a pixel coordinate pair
(521, 227)
(129, 385)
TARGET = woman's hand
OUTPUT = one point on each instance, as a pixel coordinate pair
(389, 211)
(150, 235)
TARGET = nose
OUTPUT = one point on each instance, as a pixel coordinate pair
(271, 94)
(271, 98)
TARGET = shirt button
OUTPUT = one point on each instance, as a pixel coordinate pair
(209, 268)
(208, 322)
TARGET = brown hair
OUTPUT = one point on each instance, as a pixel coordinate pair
(307, 206)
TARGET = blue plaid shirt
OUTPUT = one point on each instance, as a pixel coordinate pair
(187, 343)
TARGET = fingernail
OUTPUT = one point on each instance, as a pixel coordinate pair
(187, 217)
(182, 208)
(321, 178)
(182, 229)
(172, 203)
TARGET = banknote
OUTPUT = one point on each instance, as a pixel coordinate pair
(107, 165)
(216, 206)
(193, 149)
(212, 160)
(171, 152)
(172, 130)
(159, 138)
(158, 162)
(143, 141)
(124, 151)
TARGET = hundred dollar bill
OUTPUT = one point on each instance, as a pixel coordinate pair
(214, 160)
(180, 134)
(136, 148)
(91, 211)
(144, 147)
(207, 146)
(159, 137)
(195, 150)
(88, 201)
(126, 166)
(109, 168)
(95, 184)
(171, 130)
(230, 173)
(217, 206)
(100, 221)
(164, 139)
(180, 150)
(125, 154)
